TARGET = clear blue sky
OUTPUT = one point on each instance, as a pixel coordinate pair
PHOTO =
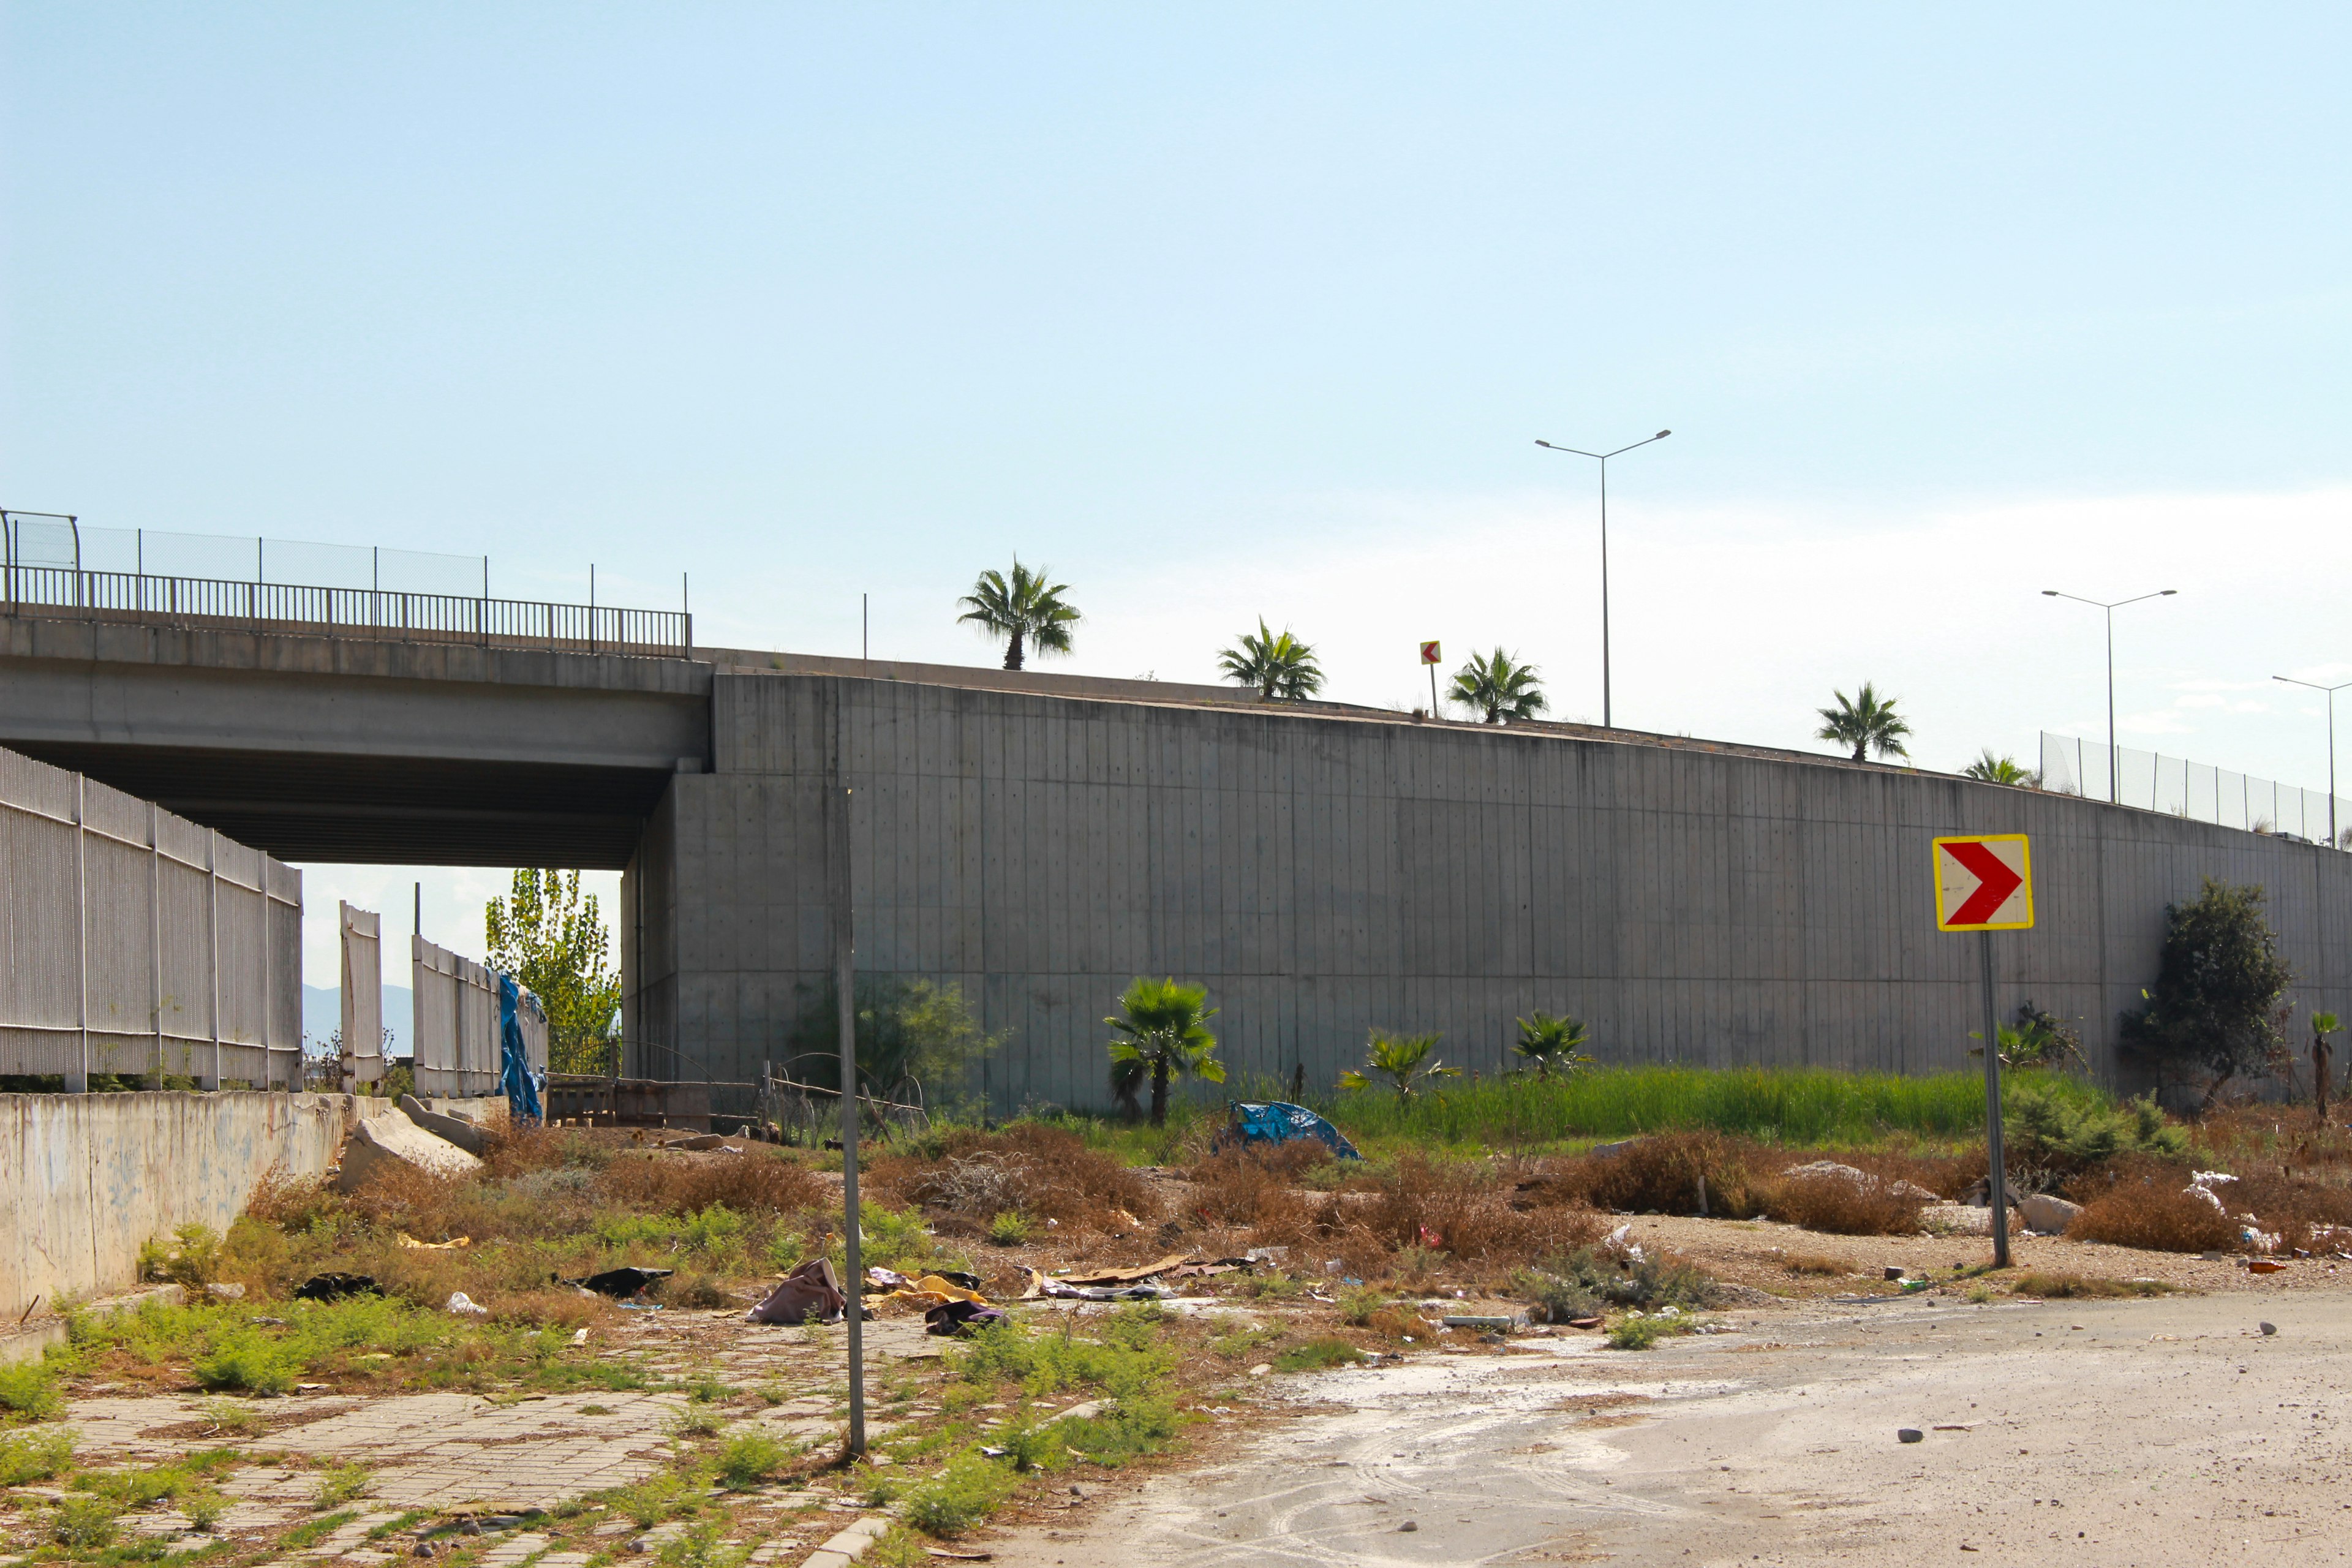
(1225, 312)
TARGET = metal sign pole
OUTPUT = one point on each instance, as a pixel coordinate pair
(844, 981)
(1998, 1186)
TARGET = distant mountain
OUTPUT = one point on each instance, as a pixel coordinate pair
(323, 1015)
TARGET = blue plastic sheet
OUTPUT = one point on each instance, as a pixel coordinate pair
(1279, 1123)
(522, 1088)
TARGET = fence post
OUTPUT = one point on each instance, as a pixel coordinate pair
(212, 890)
(155, 926)
(77, 1081)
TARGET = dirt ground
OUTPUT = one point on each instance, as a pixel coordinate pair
(2144, 1432)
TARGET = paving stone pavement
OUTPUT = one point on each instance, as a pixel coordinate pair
(430, 1450)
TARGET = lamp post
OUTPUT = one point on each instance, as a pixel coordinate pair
(2333, 842)
(1606, 712)
(2114, 797)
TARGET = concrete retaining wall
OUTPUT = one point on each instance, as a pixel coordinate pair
(1326, 875)
(90, 1177)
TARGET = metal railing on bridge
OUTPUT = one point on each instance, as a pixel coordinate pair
(48, 562)
(2198, 791)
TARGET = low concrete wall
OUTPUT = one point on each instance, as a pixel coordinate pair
(88, 1178)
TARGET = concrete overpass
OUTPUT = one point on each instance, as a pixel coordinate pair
(1038, 839)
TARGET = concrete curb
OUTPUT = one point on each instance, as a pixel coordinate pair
(849, 1545)
(33, 1341)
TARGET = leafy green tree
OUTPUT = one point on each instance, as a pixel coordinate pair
(2000, 770)
(2217, 1008)
(1025, 609)
(1276, 663)
(1498, 687)
(552, 938)
(914, 1042)
(1164, 1030)
(1553, 1043)
(1402, 1060)
(1867, 722)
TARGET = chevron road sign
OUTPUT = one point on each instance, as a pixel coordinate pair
(1984, 883)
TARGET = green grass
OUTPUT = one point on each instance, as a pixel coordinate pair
(311, 1532)
(35, 1457)
(29, 1391)
(1314, 1355)
(1634, 1331)
(1785, 1105)
(1809, 1106)
(339, 1484)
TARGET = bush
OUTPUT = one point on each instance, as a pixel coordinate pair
(2047, 1125)
(35, 1457)
(28, 1389)
(757, 1180)
(1580, 1283)
(968, 1491)
(1256, 1185)
(2066, 1287)
(1010, 1227)
(2149, 1208)
(1461, 1209)
(751, 1459)
(1316, 1355)
(1841, 1206)
(1664, 1172)
(1044, 1172)
(84, 1524)
(248, 1360)
(1635, 1331)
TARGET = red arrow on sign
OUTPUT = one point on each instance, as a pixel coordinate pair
(1995, 883)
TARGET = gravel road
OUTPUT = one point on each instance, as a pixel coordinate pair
(2148, 1432)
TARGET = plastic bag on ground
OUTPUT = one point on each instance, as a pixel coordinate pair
(810, 1293)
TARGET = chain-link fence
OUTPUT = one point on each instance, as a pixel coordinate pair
(53, 565)
(2198, 791)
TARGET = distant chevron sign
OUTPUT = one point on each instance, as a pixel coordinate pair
(1984, 883)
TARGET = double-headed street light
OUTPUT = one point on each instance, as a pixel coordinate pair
(1606, 715)
(2113, 771)
(2333, 841)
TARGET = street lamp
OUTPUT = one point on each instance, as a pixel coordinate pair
(2113, 771)
(1603, 457)
(2333, 842)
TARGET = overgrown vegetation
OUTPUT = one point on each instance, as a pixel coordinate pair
(2215, 1012)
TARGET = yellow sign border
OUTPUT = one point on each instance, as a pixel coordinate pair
(2025, 860)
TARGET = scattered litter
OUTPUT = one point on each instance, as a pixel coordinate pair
(579, 1336)
(1894, 1272)
(994, 1453)
(1910, 1434)
(641, 1306)
(962, 1317)
(701, 1140)
(961, 1556)
(621, 1283)
(1045, 1285)
(2263, 1266)
(1261, 1369)
(811, 1292)
(1959, 1427)
(1587, 1322)
(454, 1242)
(461, 1303)
(1495, 1324)
(335, 1287)
(1279, 1123)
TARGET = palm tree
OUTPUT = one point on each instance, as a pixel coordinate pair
(1025, 609)
(1866, 723)
(1548, 1042)
(1504, 689)
(1402, 1060)
(2001, 770)
(1278, 665)
(1165, 1030)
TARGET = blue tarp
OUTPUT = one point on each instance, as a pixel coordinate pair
(1278, 1123)
(515, 1074)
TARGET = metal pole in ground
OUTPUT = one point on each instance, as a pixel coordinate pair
(844, 981)
(1998, 1184)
